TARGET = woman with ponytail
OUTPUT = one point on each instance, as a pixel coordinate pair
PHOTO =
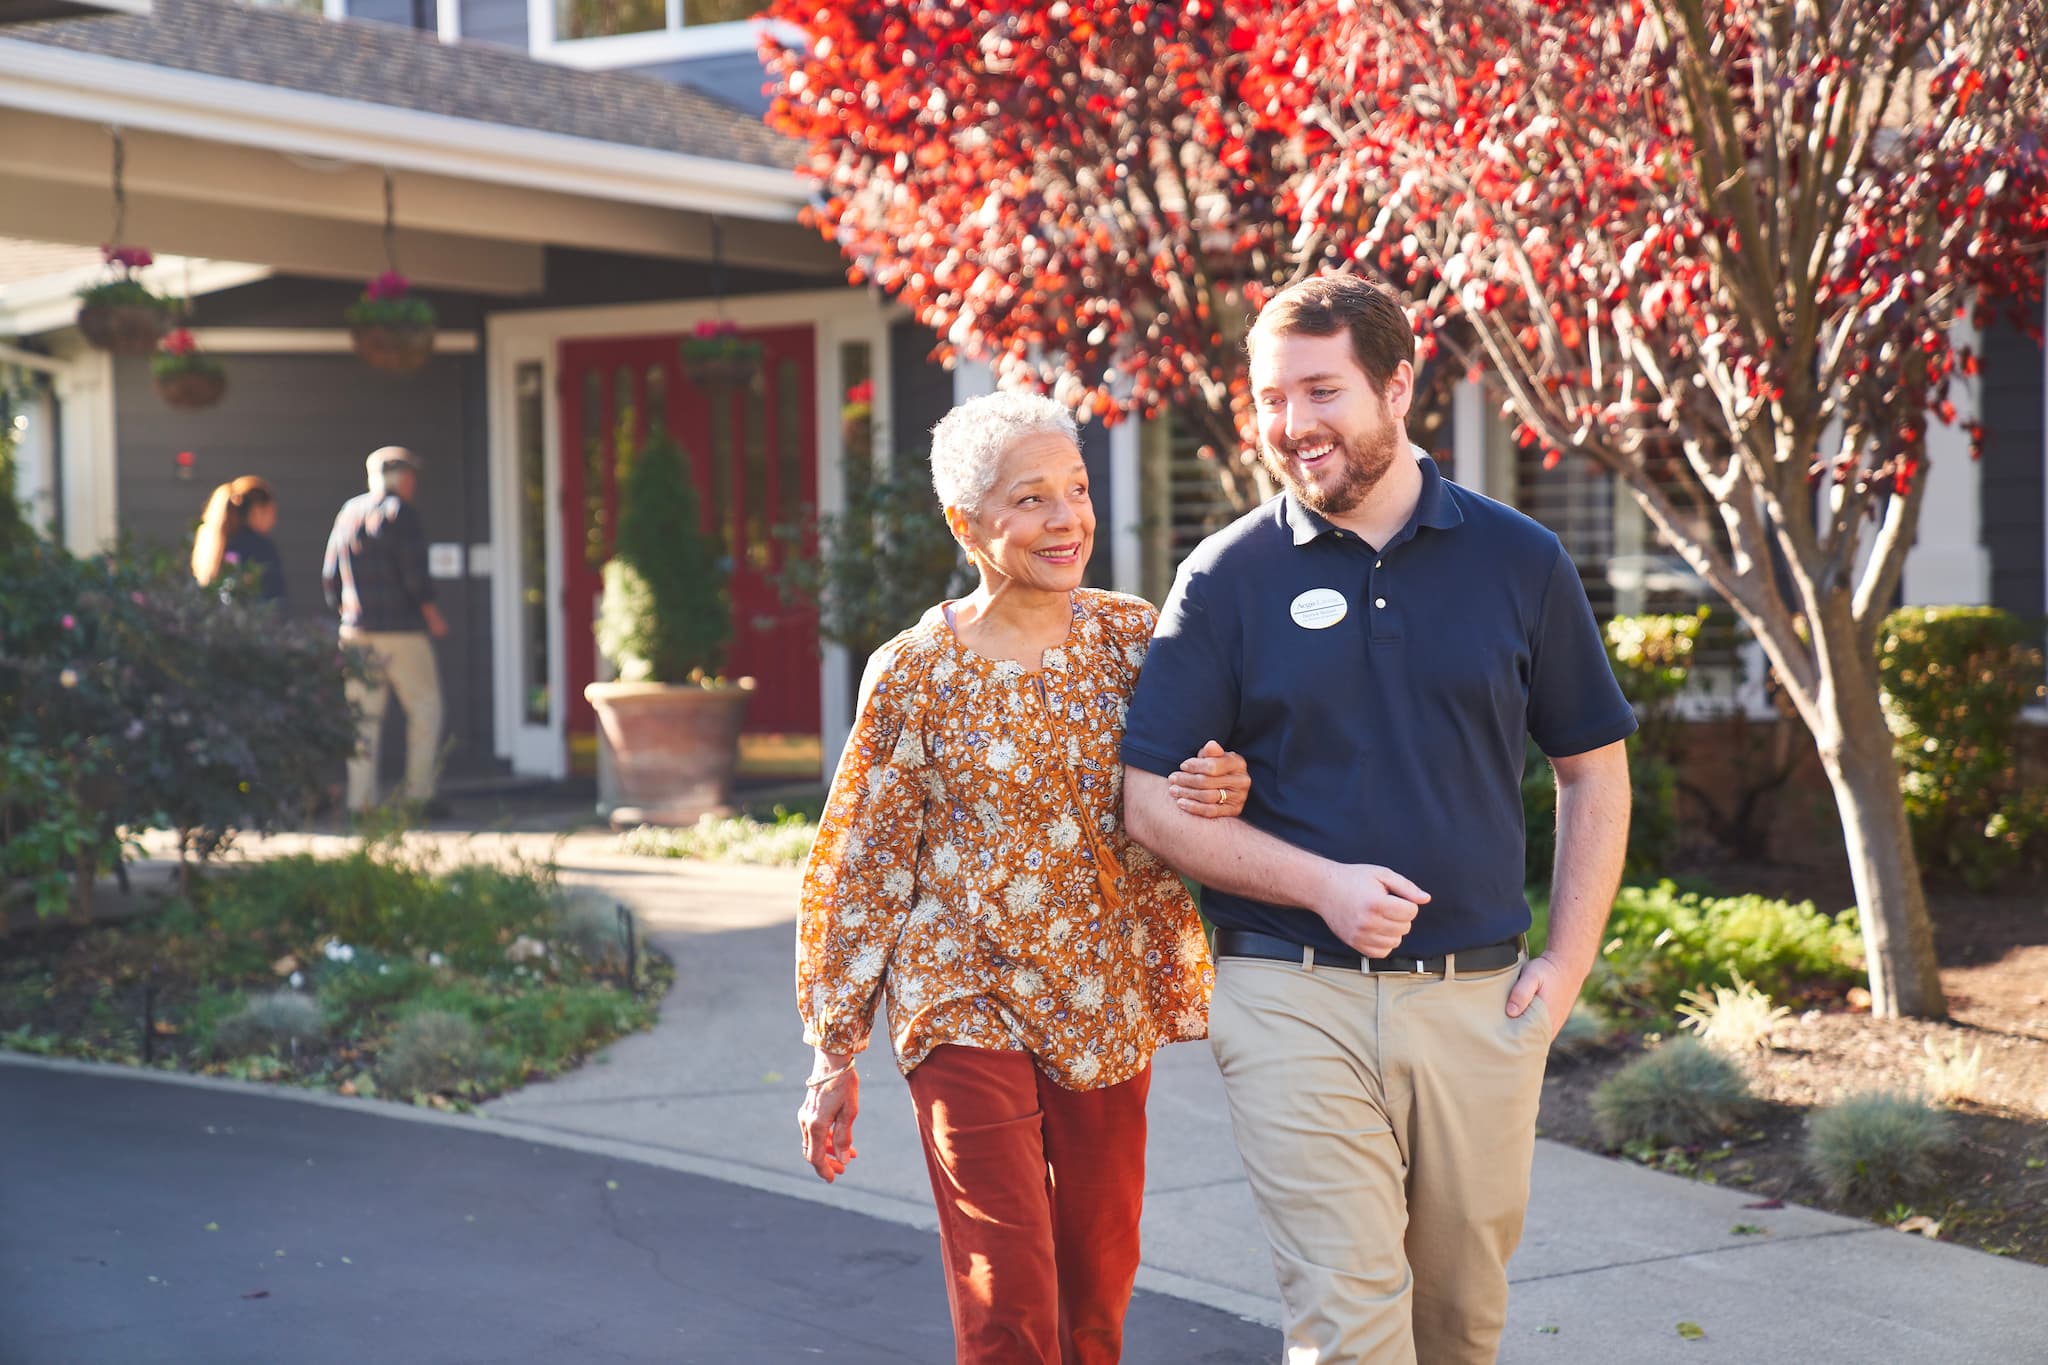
(235, 532)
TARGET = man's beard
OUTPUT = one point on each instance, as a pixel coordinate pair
(1362, 464)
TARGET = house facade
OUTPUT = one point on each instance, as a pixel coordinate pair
(578, 188)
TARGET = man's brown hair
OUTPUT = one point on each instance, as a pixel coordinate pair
(1325, 305)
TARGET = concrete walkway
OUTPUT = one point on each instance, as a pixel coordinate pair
(1614, 1259)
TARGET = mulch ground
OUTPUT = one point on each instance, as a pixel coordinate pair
(1994, 956)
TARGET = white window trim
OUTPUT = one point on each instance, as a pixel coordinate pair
(673, 43)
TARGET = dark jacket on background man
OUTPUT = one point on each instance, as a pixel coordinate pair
(375, 573)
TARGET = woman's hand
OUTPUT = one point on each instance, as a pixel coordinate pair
(1214, 784)
(831, 1100)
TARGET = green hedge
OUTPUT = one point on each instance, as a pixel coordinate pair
(1955, 681)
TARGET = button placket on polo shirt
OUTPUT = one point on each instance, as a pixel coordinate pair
(1380, 598)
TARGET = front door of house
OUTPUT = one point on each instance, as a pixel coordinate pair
(751, 441)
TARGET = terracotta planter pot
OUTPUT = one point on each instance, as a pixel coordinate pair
(398, 349)
(124, 328)
(674, 749)
(192, 388)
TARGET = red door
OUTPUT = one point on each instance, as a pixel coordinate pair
(752, 447)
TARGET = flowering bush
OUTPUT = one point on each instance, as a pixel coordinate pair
(388, 301)
(180, 354)
(173, 707)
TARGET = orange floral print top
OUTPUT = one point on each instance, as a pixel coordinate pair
(972, 860)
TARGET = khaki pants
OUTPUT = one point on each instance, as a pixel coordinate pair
(401, 661)
(1387, 1124)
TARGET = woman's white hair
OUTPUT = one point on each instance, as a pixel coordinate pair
(968, 442)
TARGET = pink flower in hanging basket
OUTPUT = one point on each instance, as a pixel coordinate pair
(720, 328)
(389, 285)
(179, 342)
(126, 257)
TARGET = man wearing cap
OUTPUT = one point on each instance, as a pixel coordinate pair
(375, 575)
(1377, 642)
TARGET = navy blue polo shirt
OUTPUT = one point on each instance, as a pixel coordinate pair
(1381, 697)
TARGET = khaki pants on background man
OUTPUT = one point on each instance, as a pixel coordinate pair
(1387, 1124)
(401, 661)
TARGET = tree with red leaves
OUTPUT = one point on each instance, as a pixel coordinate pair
(1716, 248)
(1068, 191)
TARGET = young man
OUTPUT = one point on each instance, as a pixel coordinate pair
(1376, 642)
(375, 576)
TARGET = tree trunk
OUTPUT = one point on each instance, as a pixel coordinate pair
(1898, 936)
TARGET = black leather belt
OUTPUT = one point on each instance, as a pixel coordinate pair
(1489, 957)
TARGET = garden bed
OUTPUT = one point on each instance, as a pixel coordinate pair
(380, 973)
(1992, 1188)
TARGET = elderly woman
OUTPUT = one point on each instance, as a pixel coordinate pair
(972, 862)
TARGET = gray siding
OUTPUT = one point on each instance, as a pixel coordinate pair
(2015, 457)
(923, 388)
(734, 77)
(495, 21)
(406, 13)
(304, 423)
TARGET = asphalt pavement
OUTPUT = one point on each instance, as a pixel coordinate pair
(145, 1222)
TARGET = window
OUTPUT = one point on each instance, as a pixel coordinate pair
(610, 33)
(576, 19)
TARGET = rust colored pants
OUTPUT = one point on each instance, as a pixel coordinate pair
(1039, 1190)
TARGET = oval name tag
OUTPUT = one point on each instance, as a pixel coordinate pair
(1318, 609)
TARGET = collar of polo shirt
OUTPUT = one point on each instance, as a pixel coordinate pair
(1433, 508)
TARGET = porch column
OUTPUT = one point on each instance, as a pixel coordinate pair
(1949, 564)
(1468, 436)
(85, 394)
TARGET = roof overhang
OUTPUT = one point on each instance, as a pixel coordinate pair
(125, 94)
(35, 11)
(229, 170)
(48, 302)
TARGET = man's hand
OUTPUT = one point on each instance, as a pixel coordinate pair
(437, 624)
(1543, 976)
(1370, 908)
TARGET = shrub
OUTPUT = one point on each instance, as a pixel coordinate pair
(1955, 681)
(1662, 942)
(173, 706)
(879, 564)
(1873, 1148)
(431, 1052)
(1652, 661)
(587, 922)
(1732, 1019)
(739, 839)
(1952, 1074)
(269, 1023)
(1584, 1029)
(1679, 1094)
(381, 898)
(666, 616)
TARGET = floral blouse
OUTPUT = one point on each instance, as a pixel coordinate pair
(972, 859)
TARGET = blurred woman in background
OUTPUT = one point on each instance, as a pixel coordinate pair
(235, 533)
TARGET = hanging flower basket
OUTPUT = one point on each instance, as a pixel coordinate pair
(393, 327)
(718, 356)
(184, 377)
(120, 314)
(398, 349)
